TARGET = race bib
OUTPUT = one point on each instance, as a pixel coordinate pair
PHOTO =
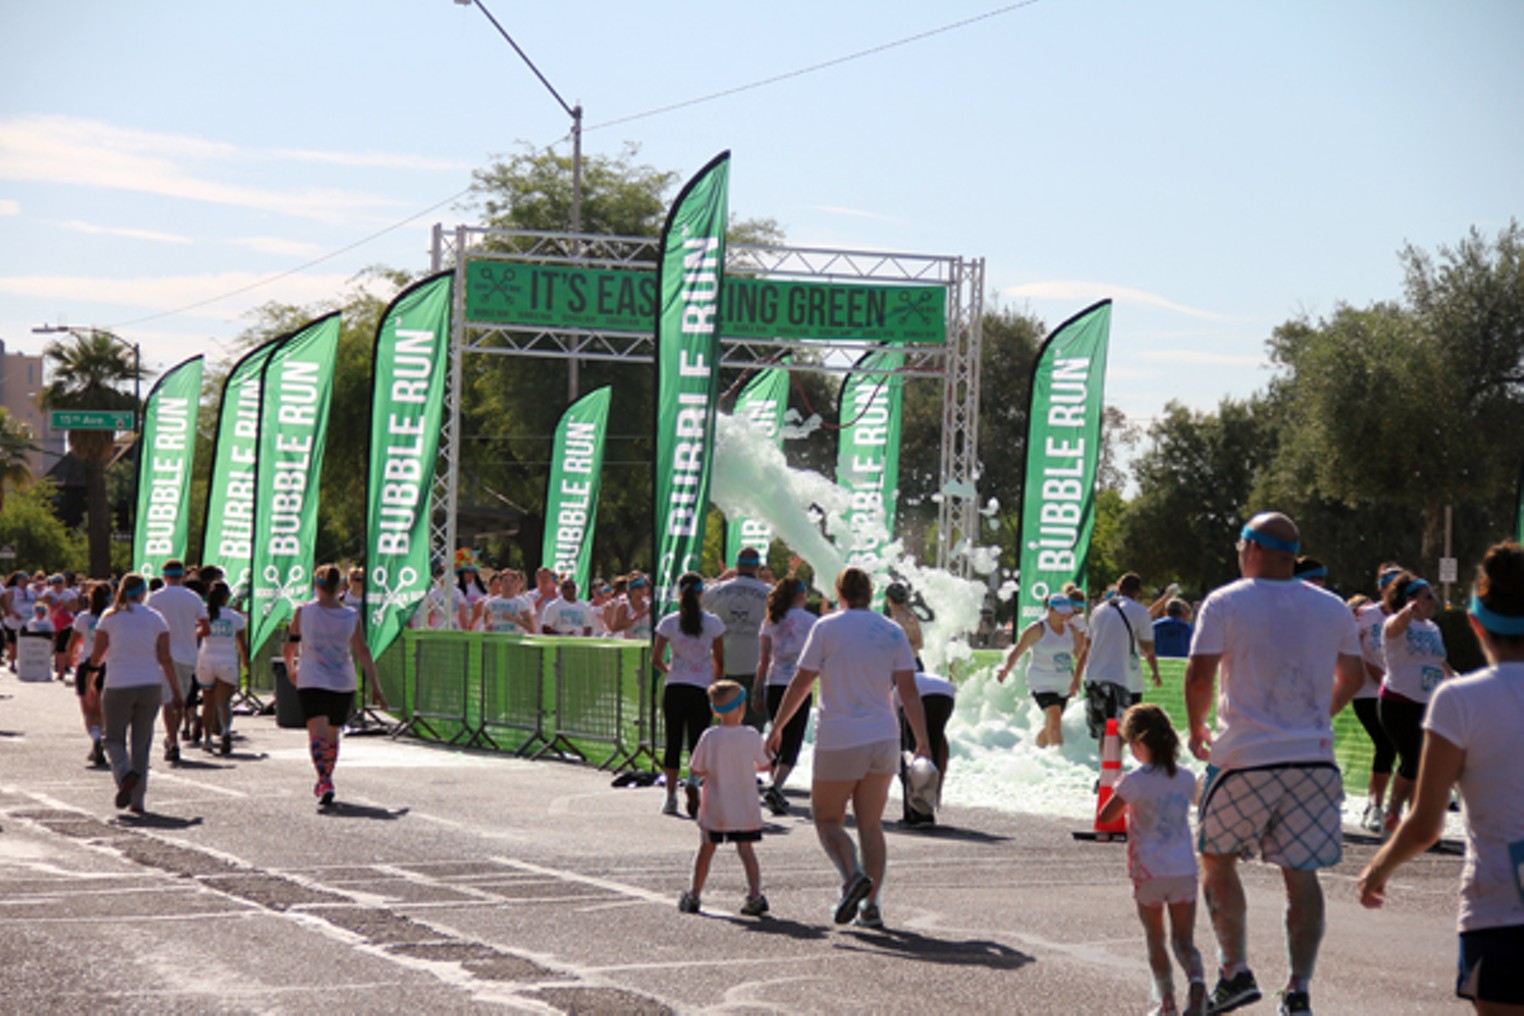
(1063, 661)
(1431, 678)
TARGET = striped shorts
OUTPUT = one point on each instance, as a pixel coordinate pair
(1289, 814)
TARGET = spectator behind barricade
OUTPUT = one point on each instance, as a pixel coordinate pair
(506, 611)
(469, 590)
(617, 606)
(741, 603)
(635, 619)
(600, 597)
(897, 609)
(181, 610)
(1172, 633)
(544, 592)
(567, 615)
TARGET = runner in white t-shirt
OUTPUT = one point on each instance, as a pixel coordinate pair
(1289, 654)
(1119, 640)
(780, 641)
(1472, 742)
(224, 647)
(698, 660)
(567, 615)
(861, 658)
(181, 609)
(88, 680)
(1413, 650)
(1371, 617)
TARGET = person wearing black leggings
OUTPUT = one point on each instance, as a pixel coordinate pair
(781, 640)
(1415, 666)
(698, 659)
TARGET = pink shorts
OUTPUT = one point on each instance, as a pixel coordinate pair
(852, 764)
(1156, 892)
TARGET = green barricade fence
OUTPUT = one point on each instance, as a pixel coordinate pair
(446, 667)
(1352, 748)
(513, 694)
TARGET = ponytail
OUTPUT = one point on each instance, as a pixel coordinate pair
(217, 599)
(690, 615)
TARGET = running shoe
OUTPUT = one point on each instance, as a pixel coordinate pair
(852, 896)
(172, 753)
(688, 903)
(692, 791)
(125, 788)
(1295, 1003)
(1196, 999)
(669, 806)
(324, 792)
(1232, 993)
(1374, 816)
(755, 906)
(227, 744)
(868, 916)
(98, 755)
(776, 802)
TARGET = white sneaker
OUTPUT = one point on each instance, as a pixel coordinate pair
(1374, 815)
(670, 807)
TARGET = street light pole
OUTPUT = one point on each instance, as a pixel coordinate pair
(575, 112)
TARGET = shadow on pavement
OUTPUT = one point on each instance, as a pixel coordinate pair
(946, 832)
(777, 926)
(344, 809)
(915, 946)
(197, 763)
(153, 820)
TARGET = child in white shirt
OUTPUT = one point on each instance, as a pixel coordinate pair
(1160, 857)
(728, 756)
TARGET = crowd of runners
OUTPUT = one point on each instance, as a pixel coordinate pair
(746, 655)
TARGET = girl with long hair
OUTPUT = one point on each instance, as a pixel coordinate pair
(698, 660)
(780, 641)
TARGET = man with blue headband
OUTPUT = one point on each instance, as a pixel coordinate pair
(1289, 656)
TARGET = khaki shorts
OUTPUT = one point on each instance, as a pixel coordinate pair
(185, 676)
(852, 764)
(1156, 892)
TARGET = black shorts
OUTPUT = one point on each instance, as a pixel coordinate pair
(335, 706)
(733, 835)
(1489, 965)
(10, 635)
(1048, 699)
(82, 674)
(61, 640)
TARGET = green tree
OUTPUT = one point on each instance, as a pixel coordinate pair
(86, 370)
(1195, 483)
(30, 528)
(16, 445)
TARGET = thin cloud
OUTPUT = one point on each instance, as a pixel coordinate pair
(279, 245)
(131, 234)
(1201, 358)
(855, 213)
(172, 292)
(1079, 290)
(9, 207)
(381, 160)
(89, 153)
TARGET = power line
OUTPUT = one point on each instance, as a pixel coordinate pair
(811, 69)
(299, 268)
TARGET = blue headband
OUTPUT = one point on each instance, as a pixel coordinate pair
(732, 705)
(1315, 573)
(1269, 542)
(136, 589)
(697, 586)
(639, 584)
(1059, 602)
(173, 573)
(1414, 586)
(1497, 624)
(1385, 578)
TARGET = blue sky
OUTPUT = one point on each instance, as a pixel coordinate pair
(1217, 168)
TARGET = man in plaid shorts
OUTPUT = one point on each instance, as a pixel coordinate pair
(1289, 654)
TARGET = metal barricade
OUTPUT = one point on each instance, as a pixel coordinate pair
(443, 666)
(640, 685)
(513, 694)
(258, 689)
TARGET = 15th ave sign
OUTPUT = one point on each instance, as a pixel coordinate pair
(92, 419)
(624, 300)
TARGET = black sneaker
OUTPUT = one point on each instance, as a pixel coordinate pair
(688, 903)
(98, 755)
(227, 744)
(172, 753)
(692, 791)
(125, 788)
(1295, 1003)
(776, 802)
(1231, 994)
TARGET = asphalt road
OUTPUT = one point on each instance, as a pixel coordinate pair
(449, 881)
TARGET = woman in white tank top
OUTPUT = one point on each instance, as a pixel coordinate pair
(1057, 650)
(325, 638)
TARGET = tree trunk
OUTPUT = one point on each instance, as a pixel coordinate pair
(98, 509)
(1433, 539)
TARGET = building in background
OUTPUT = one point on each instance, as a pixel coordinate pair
(21, 384)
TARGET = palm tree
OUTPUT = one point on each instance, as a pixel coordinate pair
(85, 370)
(15, 445)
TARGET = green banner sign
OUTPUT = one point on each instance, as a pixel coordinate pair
(690, 275)
(408, 373)
(228, 539)
(868, 455)
(92, 419)
(1063, 449)
(293, 429)
(571, 500)
(624, 300)
(166, 454)
(763, 402)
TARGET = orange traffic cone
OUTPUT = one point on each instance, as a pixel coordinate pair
(1111, 772)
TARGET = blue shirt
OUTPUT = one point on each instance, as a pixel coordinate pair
(1172, 637)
